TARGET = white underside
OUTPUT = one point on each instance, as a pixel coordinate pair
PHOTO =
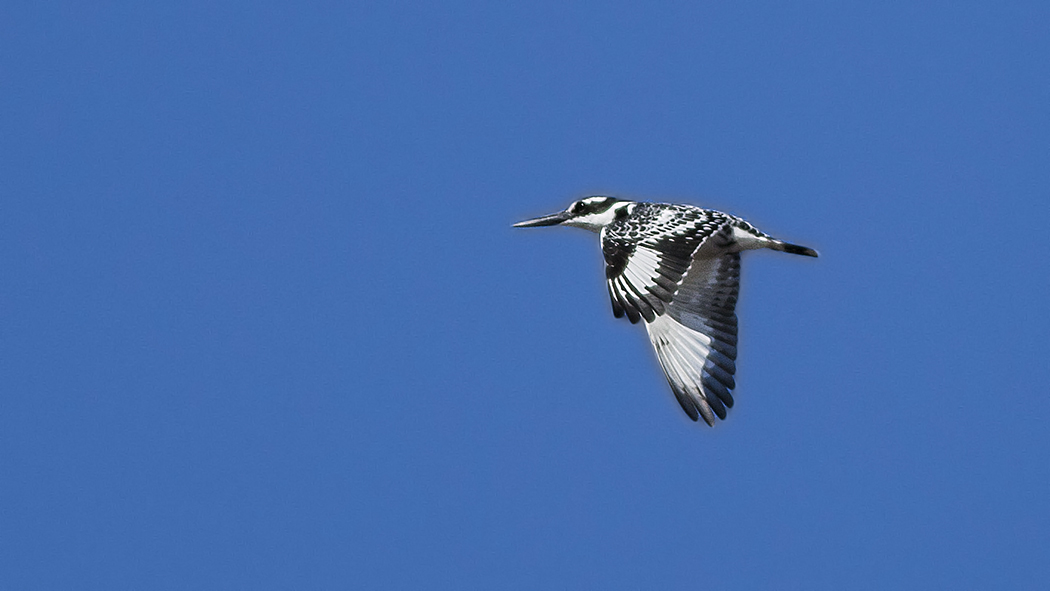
(682, 353)
(747, 241)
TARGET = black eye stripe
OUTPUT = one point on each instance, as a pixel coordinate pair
(601, 204)
(592, 205)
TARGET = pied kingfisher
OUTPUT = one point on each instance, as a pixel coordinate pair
(678, 268)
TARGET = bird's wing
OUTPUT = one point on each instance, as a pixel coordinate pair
(696, 339)
(648, 254)
(682, 279)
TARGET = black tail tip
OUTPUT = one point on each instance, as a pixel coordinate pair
(796, 249)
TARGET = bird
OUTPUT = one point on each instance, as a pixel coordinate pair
(677, 268)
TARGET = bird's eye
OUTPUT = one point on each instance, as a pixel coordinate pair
(578, 207)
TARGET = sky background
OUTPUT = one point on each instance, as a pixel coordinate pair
(264, 323)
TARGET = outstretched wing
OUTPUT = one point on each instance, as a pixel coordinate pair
(673, 268)
(696, 339)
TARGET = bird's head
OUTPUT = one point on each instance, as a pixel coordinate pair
(589, 213)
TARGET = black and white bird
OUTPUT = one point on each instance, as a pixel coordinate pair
(678, 268)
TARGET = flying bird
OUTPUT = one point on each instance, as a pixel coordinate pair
(677, 267)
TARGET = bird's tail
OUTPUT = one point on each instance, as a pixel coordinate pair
(792, 248)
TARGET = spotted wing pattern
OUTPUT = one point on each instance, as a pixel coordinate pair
(673, 266)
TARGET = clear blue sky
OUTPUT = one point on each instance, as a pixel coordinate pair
(264, 323)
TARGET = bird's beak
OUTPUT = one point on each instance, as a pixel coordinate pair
(547, 220)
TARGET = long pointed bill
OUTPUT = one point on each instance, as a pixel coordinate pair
(547, 220)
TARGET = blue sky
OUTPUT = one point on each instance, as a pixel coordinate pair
(265, 323)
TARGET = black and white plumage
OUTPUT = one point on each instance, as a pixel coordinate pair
(677, 267)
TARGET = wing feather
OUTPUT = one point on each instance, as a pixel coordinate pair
(696, 339)
(676, 370)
